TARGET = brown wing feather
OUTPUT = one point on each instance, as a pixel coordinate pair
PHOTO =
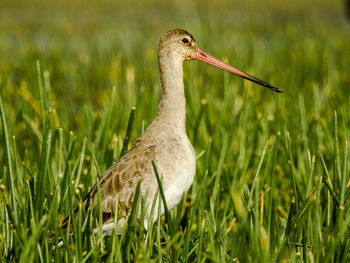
(121, 180)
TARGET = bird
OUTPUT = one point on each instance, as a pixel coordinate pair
(164, 141)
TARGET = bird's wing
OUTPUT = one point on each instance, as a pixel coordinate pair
(121, 180)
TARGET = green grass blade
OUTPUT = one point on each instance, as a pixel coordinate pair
(128, 132)
(41, 94)
(9, 163)
(162, 195)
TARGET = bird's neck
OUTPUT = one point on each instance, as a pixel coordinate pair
(172, 107)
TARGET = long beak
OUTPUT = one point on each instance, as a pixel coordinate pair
(205, 57)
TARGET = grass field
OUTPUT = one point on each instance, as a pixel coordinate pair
(273, 176)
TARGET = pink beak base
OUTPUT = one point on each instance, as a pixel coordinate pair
(205, 57)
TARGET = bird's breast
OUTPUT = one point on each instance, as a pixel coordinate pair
(176, 163)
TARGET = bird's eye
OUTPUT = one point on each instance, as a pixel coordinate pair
(185, 40)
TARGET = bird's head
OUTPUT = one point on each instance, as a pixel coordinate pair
(181, 46)
(178, 43)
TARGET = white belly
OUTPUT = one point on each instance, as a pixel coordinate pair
(180, 185)
(177, 167)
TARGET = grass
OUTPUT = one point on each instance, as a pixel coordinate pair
(272, 181)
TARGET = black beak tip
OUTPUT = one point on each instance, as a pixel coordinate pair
(263, 83)
(274, 88)
(277, 90)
